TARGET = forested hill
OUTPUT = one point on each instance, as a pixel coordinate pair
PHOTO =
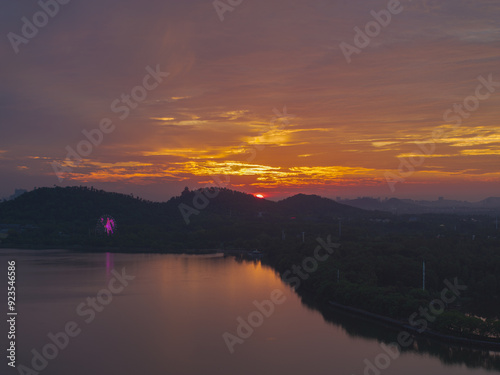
(73, 206)
(195, 219)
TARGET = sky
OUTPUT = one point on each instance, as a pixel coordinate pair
(272, 97)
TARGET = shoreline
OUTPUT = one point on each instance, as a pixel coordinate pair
(449, 339)
(116, 250)
(444, 338)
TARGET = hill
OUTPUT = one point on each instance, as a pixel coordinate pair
(195, 219)
(316, 207)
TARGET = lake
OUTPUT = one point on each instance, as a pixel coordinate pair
(89, 313)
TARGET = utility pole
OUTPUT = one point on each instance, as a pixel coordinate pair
(423, 275)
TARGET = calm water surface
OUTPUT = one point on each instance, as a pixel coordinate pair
(171, 319)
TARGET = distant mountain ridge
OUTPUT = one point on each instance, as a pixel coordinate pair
(408, 206)
(235, 202)
(80, 204)
(73, 203)
(196, 218)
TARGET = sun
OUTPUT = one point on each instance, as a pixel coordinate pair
(260, 196)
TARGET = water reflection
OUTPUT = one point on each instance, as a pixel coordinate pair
(109, 264)
(171, 318)
(356, 326)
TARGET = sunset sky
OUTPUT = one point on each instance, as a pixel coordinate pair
(349, 124)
